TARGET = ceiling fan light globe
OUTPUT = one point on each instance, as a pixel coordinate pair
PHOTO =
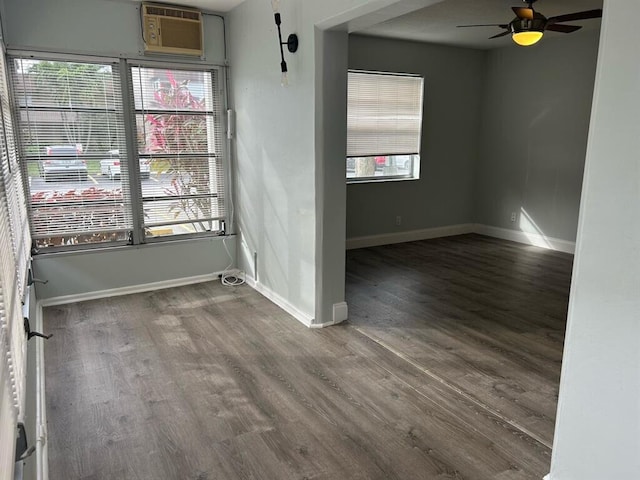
(527, 38)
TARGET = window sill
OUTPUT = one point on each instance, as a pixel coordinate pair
(102, 248)
(353, 181)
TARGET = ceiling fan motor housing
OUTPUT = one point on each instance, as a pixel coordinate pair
(538, 24)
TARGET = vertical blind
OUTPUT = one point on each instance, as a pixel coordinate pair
(178, 124)
(14, 257)
(70, 116)
(384, 114)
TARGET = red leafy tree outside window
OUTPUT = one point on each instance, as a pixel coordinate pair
(177, 132)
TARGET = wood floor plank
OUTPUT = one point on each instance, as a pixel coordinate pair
(486, 316)
(208, 382)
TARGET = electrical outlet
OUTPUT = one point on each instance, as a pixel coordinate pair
(514, 216)
(398, 220)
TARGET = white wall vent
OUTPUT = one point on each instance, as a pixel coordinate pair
(173, 30)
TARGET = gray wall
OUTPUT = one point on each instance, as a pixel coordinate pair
(504, 131)
(109, 28)
(450, 139)
(534, 134)
(274, 152)
(76, 273)
(92, 27)
(288, 161)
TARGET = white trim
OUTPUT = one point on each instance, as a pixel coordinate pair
(302, 317)
(340, 312)
(547, 477)
(535, 239)
(324, 325)
(113, 292)
(42, 448)
(409, 236)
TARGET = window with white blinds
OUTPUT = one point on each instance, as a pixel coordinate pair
(69, 120)
(99, 176)
(178, 127)
(384, 124)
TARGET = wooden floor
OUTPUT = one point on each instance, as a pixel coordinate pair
(447, 369)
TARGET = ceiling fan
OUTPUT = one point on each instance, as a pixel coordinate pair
(528, 26)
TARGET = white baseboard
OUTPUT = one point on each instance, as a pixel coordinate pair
(113, 292)
(409, 236)
(325, 325)
(302, 317)
(534, 239)
(340, 312)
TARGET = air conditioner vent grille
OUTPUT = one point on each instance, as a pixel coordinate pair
(170, 12)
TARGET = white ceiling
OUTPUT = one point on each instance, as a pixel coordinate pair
(220, 6)
(437, 23)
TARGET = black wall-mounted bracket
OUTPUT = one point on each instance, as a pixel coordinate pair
(31, 279)
(22, 450)
(29, 333)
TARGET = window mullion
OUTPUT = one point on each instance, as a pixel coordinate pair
(133, 170)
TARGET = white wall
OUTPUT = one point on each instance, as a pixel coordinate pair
(450, 139)
(536, 108)
(597, 433)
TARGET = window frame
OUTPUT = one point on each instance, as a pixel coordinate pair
(138, 201)
(136, 237)
(23, 157)
(415, 157)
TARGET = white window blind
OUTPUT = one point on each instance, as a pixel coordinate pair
(12, 348)
(179, 129)
(69, 116)
(12, 180)
(384, 114)
(14, 239)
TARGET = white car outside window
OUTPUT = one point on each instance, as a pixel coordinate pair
(110, 167)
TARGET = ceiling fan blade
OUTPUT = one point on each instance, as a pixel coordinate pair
(571, 17)
(500, 35)
(563, 28)
(523, 12)
(501, 25)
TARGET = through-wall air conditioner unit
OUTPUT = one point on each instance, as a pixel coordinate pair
(173, 30)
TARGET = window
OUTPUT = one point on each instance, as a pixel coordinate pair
(384, 122)
(176, 116)
(69, 115)
(102, 174)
